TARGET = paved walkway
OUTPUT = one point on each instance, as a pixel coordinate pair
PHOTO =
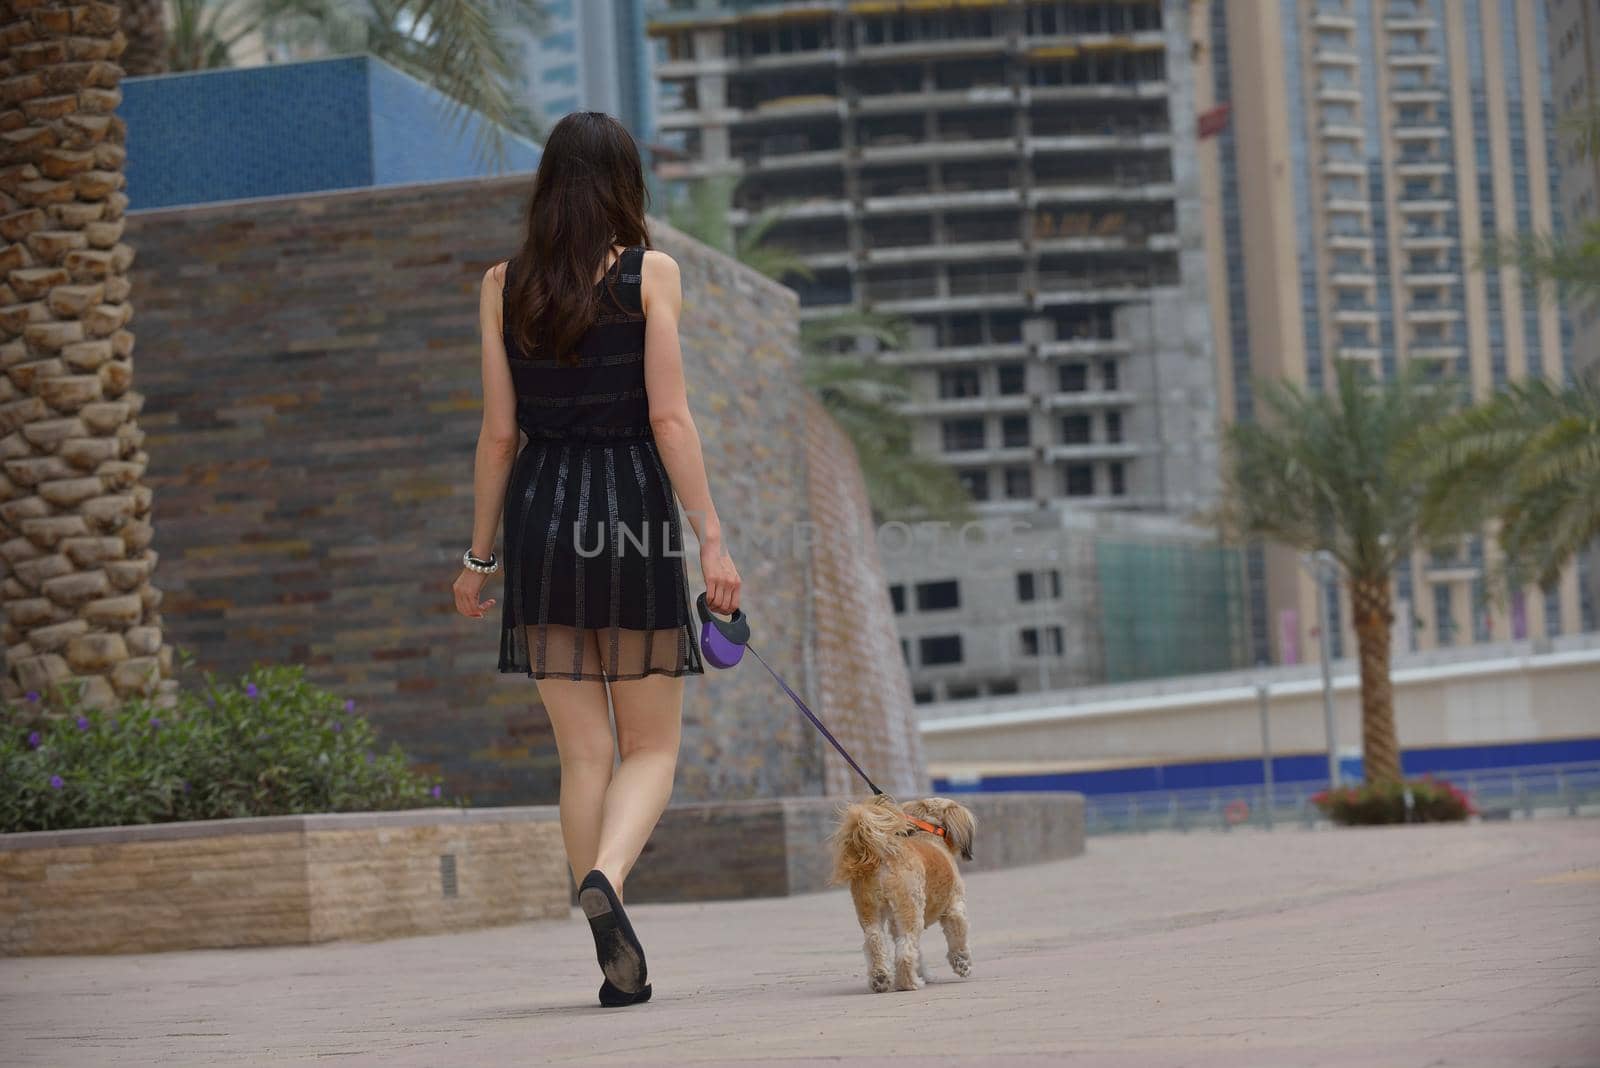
(1474, 946)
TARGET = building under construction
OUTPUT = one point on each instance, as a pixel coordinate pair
(1018, 180)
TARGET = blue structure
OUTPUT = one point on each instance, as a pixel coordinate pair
(341, 123)
(1286, 770)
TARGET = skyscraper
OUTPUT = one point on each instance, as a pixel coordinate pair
(1574, 38)
(591, 56)
(1374, 144)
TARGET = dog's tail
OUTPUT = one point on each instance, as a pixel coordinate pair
(869, 835)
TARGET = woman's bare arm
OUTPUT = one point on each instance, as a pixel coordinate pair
(498, 435)
(677, 439)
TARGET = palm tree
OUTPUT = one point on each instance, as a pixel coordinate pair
(74, 508)
(144, 24)
(1528, 458)
(1328, 471)
(863, 394)
(456, 46)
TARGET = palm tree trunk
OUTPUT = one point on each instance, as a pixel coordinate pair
(1380, 748)
(144, 24)
(75, 525)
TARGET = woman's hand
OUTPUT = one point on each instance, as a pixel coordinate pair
(722, 578)
(467, 587)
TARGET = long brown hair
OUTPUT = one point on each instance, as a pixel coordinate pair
(588, 195)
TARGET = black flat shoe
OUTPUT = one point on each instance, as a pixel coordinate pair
(616, 947)
(612, 998)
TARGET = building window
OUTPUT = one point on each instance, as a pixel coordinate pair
(1444, 614)
(1075, 430)
(940, 649)
(1013, 378)
(1002, 687)
(897, 597)
(961, 692)
(923, 696)
(1119, 480)
(975, 481)
(1032, 638)
(1019, 483)
(963, 435)
(1079, 480)
(1109, 370)
(1014, 431)
(959, 382)
(905, 651)
(1113, 427)
(1073, 377)
(566, 74)
(938, 596)
(1028, 586)
(565, 41)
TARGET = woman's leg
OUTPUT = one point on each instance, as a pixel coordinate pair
(581, 720)
(649, 715)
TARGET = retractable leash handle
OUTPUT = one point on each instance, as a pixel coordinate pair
(722, 640)
(723, 643)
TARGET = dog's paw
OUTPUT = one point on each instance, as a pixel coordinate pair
(879, 981)
(906, 978)
(961, 963)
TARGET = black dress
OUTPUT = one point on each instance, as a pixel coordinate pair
(595, 582)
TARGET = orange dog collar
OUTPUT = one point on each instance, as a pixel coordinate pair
(924, 825)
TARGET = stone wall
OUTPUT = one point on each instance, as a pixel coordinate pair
(779, 847)
(278, 880)
(861, 677)
(311, 369)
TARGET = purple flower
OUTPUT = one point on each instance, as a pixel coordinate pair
(349, 704)
(33, 739)
(185, 787)
(370, 758)
(83, 723)
(33, 695)
(251, 691)
(211, 699)
(436, 791)
(337, 726)
(57, 782)
(155, 723)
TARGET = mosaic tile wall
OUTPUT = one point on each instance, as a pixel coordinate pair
(283, 128)
(310, 365)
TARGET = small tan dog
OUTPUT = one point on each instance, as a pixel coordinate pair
(899, 861)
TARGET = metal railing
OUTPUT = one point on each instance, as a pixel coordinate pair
(1498, 793)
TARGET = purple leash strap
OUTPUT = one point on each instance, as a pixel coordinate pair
(815, 722)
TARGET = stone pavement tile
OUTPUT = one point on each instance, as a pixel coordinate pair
(1399, 947)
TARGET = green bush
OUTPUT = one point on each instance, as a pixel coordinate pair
(1430, 801)
(274, 744)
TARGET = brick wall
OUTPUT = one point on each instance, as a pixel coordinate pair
(310, 365)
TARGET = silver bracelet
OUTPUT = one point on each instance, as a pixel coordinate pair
(472, 563)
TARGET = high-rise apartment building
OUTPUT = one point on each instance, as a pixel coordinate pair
(1017, 179)
(1574, 38)
(591, 55)
(1373, 145)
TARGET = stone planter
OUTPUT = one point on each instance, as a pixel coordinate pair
(279, 880)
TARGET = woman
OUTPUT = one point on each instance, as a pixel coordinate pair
(580, 353)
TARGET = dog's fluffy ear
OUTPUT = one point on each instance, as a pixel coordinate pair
(958, 827)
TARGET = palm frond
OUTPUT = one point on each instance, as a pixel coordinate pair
(1528, 458)
(1326, 470)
